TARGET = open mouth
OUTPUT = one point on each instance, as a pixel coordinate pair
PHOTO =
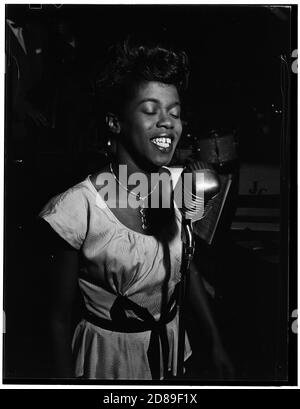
(163, 143)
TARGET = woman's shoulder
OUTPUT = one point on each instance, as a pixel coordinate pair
(74, 197)
(70, 195)
(98, 178)
(68, 212)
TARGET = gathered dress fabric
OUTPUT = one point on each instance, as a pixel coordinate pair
(118, 263)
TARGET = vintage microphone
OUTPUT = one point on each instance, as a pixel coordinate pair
(194, 191)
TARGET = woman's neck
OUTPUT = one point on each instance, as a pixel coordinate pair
(123, 158)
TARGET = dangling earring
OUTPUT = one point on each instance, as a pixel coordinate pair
(114, 127)
(107, 148)
(110, 148)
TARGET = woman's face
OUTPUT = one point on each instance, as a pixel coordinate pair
(150, 127)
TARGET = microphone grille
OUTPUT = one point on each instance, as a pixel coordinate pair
(195, 189)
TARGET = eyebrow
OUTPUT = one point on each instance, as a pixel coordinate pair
(176, 103)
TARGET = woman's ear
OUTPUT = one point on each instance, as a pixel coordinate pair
(113, 123)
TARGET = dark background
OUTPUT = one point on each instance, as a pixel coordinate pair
(238, 86)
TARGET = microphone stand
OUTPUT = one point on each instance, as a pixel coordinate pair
(188, 248)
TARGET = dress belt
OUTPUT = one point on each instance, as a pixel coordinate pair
(146, 322)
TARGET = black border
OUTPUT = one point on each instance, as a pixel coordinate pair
(289, 205)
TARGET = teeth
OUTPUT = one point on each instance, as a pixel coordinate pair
(162, 142)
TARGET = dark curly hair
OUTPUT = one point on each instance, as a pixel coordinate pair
(131, 64)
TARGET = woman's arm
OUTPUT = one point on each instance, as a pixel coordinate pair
(63, 274)
(198, 301)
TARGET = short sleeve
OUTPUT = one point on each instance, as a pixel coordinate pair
(67, 215)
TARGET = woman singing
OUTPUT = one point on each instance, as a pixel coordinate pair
(126, 259)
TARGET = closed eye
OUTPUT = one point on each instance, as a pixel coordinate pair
(149, 112)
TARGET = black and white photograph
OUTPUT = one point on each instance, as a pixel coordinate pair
(150, 157)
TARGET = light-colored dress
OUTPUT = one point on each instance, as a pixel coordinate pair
(118, 261)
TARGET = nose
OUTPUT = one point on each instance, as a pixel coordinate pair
(164, 121)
